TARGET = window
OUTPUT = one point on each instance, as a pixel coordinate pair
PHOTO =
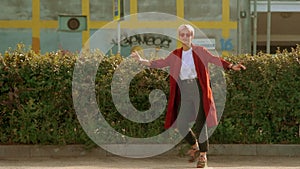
(161, 6)
(203, 10)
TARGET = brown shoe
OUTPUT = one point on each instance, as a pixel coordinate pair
(202, 162)
(193, 154)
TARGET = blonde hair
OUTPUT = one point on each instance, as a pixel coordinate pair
(138, 49)
(186, 26)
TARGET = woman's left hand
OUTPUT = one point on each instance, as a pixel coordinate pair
(238, 67)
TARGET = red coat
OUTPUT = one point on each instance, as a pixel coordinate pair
(201, 59)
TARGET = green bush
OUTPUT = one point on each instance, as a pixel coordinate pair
(36, 105)
(263, 103)
(35, 101)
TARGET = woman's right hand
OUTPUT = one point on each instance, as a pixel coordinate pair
(135, 55)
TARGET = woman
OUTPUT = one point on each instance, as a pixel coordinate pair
(190, 91)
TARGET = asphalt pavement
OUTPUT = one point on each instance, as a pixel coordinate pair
(159, 162)
(78, 157)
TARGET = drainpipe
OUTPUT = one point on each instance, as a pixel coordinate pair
(255, 27)
(244, 28)
(269, 27)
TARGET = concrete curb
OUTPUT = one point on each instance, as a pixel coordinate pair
(256, 149)
(33, 151)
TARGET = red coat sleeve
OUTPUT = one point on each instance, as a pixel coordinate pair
(215, 59)
(168, 61)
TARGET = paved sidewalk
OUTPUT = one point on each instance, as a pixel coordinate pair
(33, 151)
(159, 162)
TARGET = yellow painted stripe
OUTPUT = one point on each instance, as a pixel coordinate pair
(133, 10)
(226, 18)
(225, 10)
(98, 24)
(215, 25)
(27, 24)
(134, 24)
(180, 8)
(225, 53)
(36, 25)
(36, 17)
(16, 24)
(149, 24)
(180, 14)
(133, 7)
(226, 33)
(140, 24)
(49, 24)
(85, 5)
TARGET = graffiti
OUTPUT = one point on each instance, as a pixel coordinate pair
(226, 44)
(149, 39)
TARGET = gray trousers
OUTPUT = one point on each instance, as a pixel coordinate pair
(191, 110)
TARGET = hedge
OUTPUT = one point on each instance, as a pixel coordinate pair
(263, 103)
(36, 106)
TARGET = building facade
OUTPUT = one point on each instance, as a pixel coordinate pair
(39, 23)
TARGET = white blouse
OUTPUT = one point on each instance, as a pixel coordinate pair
(187, 70)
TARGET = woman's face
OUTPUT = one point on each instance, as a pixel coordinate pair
(185, 37)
